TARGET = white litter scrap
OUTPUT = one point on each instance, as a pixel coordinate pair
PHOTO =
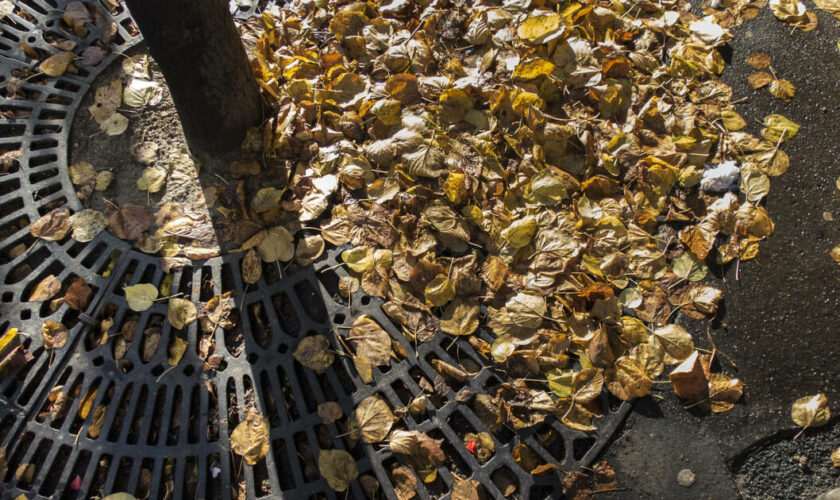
(721, 177)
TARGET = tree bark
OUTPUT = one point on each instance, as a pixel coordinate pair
(198, 49)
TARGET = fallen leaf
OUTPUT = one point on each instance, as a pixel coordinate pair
(330, 411)
(460, 317)
(53, 226)
(675, 342)
(46, 289)
(116, 124)
(176, 351)
(372, 342)
(78, 294)
(338, 468)
(130, 221)
(181, 312)
(81, 173)
(57, 64)
(373, 419)
(141, 296)
(152, 180)
(810, 411)
(315, 353)
(87, 224)
(421, 452)
(55, 335)
(251, 267)
(405, 483)
(278, 244)
(250, 439)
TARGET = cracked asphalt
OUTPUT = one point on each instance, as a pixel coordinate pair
(780, 323)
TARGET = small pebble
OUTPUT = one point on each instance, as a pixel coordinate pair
(685, 478)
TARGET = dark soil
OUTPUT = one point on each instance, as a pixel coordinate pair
(158, 124)
(186, 185)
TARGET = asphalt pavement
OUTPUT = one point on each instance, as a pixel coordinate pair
(780, 322)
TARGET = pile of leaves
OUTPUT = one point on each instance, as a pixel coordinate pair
(537, 169)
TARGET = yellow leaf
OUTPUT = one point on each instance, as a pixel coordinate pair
(519, 232)
(372, 419)
(278, 244)
(140, 297)
(782, 89)
(359, 259)
(152, 180)
(460, 317)
(532, 69)
(250, 438)
(732, 120)
(810, 411)
(439, 291)
(777, 128)
(539, 28)
(81, 173)
(338, 468)
(176, 351)
(676, 343)
(181, 313)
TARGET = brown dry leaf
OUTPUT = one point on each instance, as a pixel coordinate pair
(760, 79)
(81, 173)
(251, 267)
(55, 335)
(315, 353)
(810, 411)
(250, 439)
(46, 289)
(181, 312)
(309, 248)
(78, 294)
(421, 452)
(57, 64)
(724, 392)
(372, 419)
(338, 468)
(216, 312)
(689, 379)
(330, 411)
(460, 317)
(464, 489)
(97, 421)
(130, 221)
(759, 60)
(405, 483)
(372, 343)
(53, 226)
(675, 342)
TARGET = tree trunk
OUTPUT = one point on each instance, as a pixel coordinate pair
(200, 53)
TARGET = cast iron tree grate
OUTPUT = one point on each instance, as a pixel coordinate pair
(165, 431)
